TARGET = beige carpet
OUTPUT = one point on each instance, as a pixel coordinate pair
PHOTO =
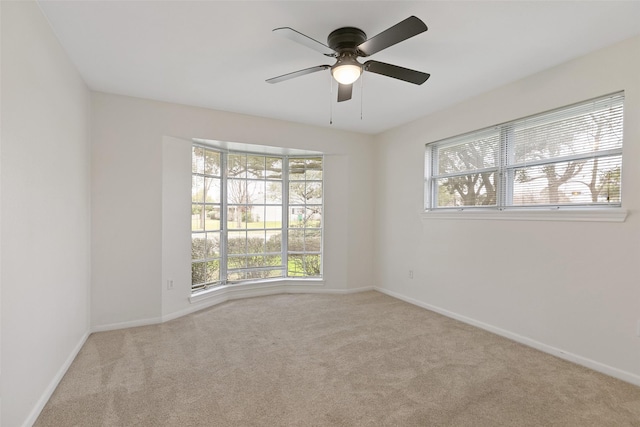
(326, 360)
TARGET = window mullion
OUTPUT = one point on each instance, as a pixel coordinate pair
(466, 172)
(223, 218)
(506, 175)
(285, 215)
(428, 180)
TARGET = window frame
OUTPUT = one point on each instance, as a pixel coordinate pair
(269, 152)
(505, 173)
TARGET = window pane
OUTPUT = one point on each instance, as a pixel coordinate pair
(256, 216)
(312, 265)
(237, 192)
(273, 273)
(273, 216)
(237, 217)
(255, 261)
(212, 190)
(213, 271)
(197, 189)
(297, 193)
(255, 166)
(212, 217)
(273, 260)
(212, 248)
(296, 240)
(198, 273)
(255, 242)
(255, 192)
(477, 189)
(212, 163)
(297, 169)
(197, 217)
(296, 266)
(592, 181)
(237, 276)
(197, 160)
(313, 168)
(313, 216)
(273, 168)
(479, 153)
(198, 243)
(237, 242)
(236, 262)
(549, 138)
(313, 192)
(237, 166)
(312, 240)
(274, 192)
(274, 241)
(256, 275)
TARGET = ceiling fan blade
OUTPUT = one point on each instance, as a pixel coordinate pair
(401, 31)
(298, 37)
(297, 74)
(344, 92)
(400, 73)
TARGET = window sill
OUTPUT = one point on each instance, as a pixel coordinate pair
(592, 215)
(248, 289)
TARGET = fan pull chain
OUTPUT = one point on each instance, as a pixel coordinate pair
(361, 93)
(330, 99)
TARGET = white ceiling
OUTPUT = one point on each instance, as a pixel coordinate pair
(217, 54)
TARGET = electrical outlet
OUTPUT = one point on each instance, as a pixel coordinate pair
(410, 274)
(170, 284)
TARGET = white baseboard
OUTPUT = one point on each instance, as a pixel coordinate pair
(228, 293)
(40, 404)
(562, 354)
(124, 325)
(239, 292)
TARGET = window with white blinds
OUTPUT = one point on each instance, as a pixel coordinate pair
(569, 157)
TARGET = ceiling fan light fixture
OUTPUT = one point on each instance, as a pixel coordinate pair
(347, 73)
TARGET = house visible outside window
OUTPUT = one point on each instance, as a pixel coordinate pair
(570, 157)
(254, 217)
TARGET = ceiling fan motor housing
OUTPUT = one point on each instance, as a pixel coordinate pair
(346, 39)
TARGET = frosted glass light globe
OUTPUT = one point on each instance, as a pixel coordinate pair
(346, 74)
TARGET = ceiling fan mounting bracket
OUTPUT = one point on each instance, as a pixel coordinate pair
(346, 39)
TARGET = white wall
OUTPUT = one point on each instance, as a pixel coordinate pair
(45, 185)
(565, 287)
(137, 147)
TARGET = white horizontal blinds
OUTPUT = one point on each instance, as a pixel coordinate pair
(577, 182)
(466, 170)
(592, 127)
(571, 156)
(567, 157)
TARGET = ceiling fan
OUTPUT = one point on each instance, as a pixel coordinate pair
(347, 44)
